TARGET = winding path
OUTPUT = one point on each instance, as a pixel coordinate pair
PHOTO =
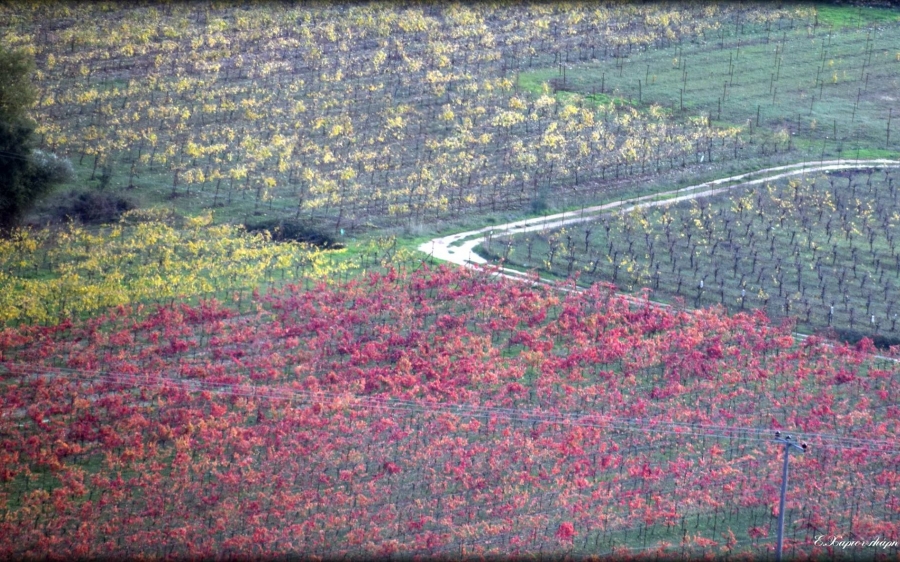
(458, 248)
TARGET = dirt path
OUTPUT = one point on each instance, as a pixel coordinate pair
(458, 248)
(443, 248)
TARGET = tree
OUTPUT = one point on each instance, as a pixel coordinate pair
(26, 174)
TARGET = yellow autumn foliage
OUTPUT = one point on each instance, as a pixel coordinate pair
(47, 275)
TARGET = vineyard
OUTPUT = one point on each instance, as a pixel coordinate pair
(49, 277)
(231, 336)
(151, 258)
(437, 412)
(359, 116)
(808, 87)
(819, 249)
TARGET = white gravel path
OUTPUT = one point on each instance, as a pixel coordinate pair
(443, 247)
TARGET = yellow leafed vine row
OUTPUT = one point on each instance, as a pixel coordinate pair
(45, 276)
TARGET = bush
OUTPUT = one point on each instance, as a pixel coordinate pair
(52, 168)
(880, 341)
(282, 230)
(92, 207)
(26, 175)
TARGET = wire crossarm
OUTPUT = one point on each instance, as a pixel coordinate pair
(788, 443)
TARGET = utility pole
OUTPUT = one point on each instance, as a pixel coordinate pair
(788, 445)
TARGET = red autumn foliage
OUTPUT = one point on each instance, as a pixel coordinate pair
(566, 531)
(419, 413)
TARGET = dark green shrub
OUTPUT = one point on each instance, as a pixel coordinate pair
(282, 230)
(881, 341)
(92, 207)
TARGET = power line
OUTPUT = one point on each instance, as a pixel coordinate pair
(355, 401)
(14, 156)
